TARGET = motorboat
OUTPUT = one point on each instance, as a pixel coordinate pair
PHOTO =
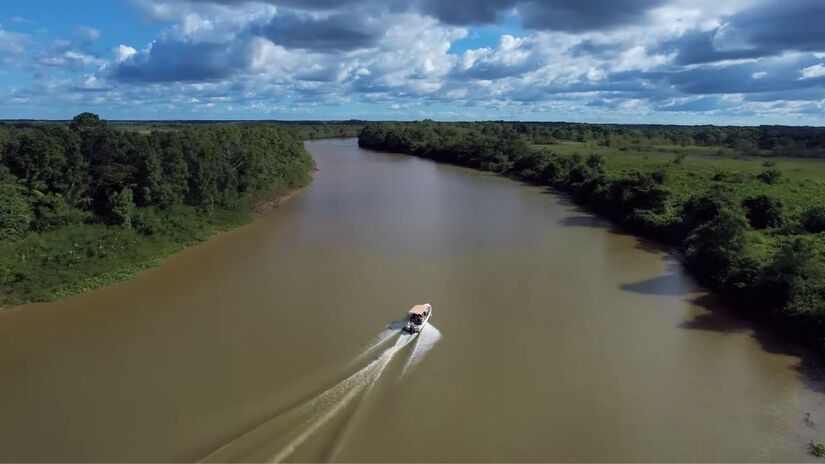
(417, 317)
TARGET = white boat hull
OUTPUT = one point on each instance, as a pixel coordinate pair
(415, 328)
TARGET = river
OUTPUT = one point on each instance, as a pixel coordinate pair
(553, 337)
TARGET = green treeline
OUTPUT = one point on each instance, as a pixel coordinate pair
(304, 130)
(751, 141)
(749, 249)
(312, 130)
(761, 140)
(84, 204)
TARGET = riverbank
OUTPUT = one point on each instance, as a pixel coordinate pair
(752, 237)
(106, 204)
(127, 252)
(274, 198)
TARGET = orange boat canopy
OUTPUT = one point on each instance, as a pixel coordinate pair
(421, 310)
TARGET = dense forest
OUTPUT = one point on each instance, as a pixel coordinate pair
(87, 203)
(797, 141)
(757, 239)
(311, 130)
(802, 142)
(304, 130)
(761, 140)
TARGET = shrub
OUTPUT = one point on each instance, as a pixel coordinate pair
(795, 279)
(147, 222)
(770, 176)
(659, 175)
(52, 211)
(529, 166)
(642, 191)
(717, 249)
(651, 224)
(15, 213)
(702, 208)
(552, 171)
(763, 211)
(122, 206)
(596, 162)
(813, 220)
(577, 174)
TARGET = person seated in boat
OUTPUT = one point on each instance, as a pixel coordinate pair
(416, 319)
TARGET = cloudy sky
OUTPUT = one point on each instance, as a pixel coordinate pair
(657, 61)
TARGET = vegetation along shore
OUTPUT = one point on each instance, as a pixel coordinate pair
(90, 203)
(749, 225)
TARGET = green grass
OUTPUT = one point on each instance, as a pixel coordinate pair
(570, 147)
(802, 184)
(76, 258)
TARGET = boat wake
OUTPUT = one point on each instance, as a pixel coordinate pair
(280, 436)
(426, 341)
(393, 329)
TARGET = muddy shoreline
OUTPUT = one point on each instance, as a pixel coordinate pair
(278, 197)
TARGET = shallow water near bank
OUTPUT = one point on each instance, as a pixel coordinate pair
(557, 339)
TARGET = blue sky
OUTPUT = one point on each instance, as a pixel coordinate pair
(633, 61)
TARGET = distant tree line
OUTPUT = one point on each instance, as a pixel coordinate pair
(304, 130)
(797, 141)
(780, 276)
(311, 130)
(753, 141)
(764, 140)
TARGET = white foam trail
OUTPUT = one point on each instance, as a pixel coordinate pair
(326, 403)
(365, 378)
(400, 343)
(320, 409)
(426, 341)
(385, 335)
(390, 331)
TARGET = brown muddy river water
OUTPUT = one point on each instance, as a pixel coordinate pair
(553, 338)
